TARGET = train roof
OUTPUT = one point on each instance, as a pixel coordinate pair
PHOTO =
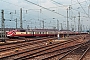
(37, 30)
(45, 30)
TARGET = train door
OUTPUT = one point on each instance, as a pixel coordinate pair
(33, 33)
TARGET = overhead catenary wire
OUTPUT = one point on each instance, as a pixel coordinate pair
(68, 6)
(22, 7)
(71, 5)
(56, 2)
(82, 7)
(45, 8)
(33, 10)
(65, 5)
(79, 2)
(18, 5)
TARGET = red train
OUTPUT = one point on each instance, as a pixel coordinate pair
(39, 33)
(32, 33)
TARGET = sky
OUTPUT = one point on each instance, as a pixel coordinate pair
(34, 12)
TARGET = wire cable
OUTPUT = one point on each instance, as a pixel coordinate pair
(71, 8)
(45, 8)
(82, 7)
(22, 7)
(64, 5)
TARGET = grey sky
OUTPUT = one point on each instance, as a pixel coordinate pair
(35, 14)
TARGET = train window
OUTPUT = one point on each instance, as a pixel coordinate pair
(28, 32)
(22, 30)
(45, 32)
(34, 32)
(49, 32)
(31, 32)
(37, 32)
(40, 33)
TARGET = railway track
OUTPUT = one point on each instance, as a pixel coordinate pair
(26, 43)
(86, 54)
(23, 44)
(31, 51)
(82, 56)
(44, 52)
(80, 53)
(40, 51)
(21, 40)
(50, 54)
(63, 54)
(30, 41)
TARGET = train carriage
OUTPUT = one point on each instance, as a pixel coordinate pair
(31, 33)
(19, 33)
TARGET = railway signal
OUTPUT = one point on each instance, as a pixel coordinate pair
(3, 34)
